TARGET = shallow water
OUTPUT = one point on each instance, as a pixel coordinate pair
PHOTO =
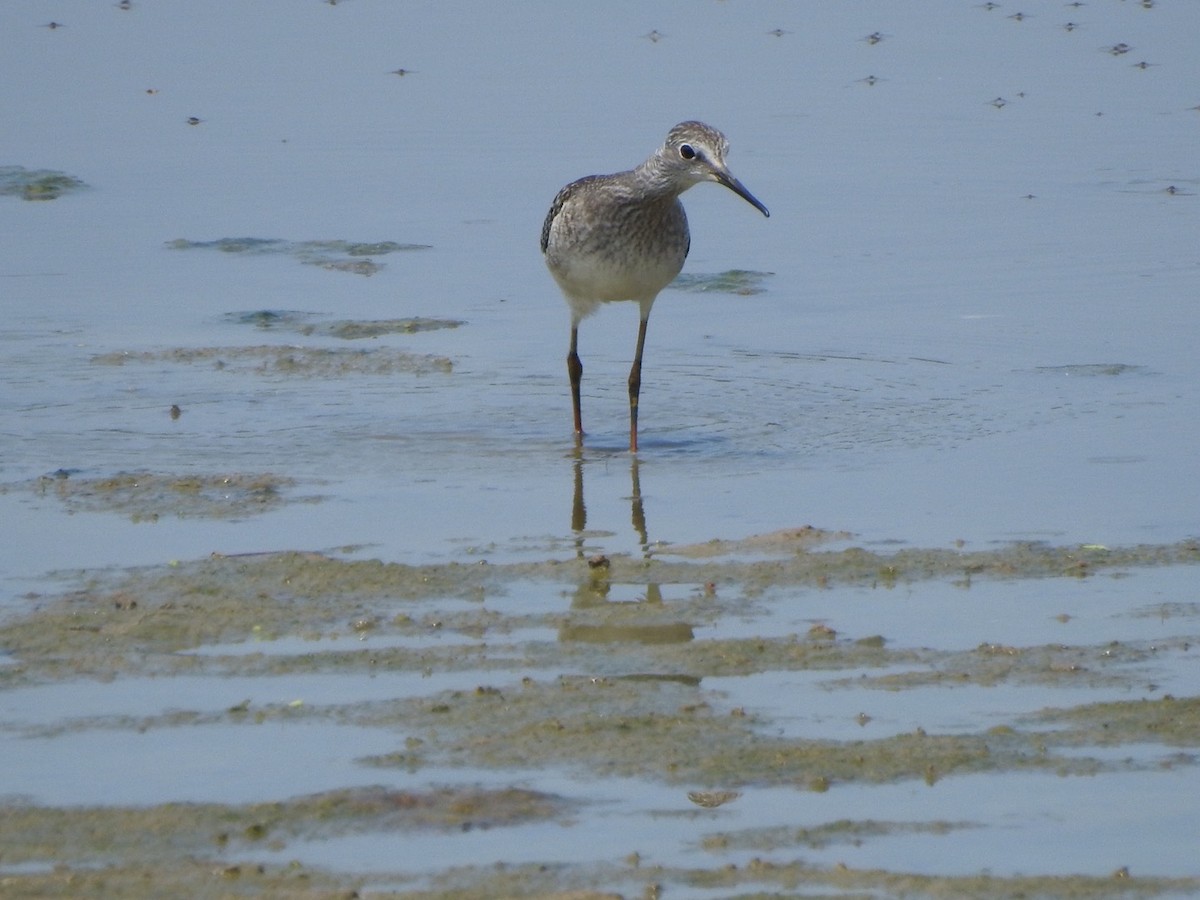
(971, 325)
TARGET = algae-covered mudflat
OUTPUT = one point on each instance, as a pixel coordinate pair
(448, 699)
(307, 588)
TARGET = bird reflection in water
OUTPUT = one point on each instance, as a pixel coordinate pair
(594, 589)
(579, 509)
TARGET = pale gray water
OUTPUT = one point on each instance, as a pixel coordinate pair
(980, 322)
(903, 375)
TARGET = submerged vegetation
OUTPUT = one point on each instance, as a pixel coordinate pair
(37, 184)
(355, 257)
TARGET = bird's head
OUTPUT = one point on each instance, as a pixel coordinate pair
(695, 152)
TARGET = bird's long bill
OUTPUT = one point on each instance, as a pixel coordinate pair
(738, 188)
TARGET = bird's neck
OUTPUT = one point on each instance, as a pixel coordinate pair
(657, 179)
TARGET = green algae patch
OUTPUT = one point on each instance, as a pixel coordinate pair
(733, 281)
(730, 657)
(216, 877)
(675, 732)
(37, 184)
(200, 878)
(272, 319)
(355, 257)
(343, 329)
(139, 622)
(204, 847)
(1170, 721)
(988, 665)
(1093, 370)
(775, 543)
(100, 834)
(353, 331)
(761, 878)
(149, 496)
(288, 361)
(144, 618)
(818, 837)
(772, 561)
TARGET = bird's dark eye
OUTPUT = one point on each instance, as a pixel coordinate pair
(687, 152)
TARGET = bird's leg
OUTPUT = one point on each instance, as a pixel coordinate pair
(575, 371)
(635, 385)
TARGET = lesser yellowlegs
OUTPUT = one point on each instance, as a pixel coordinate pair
(625, 237)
